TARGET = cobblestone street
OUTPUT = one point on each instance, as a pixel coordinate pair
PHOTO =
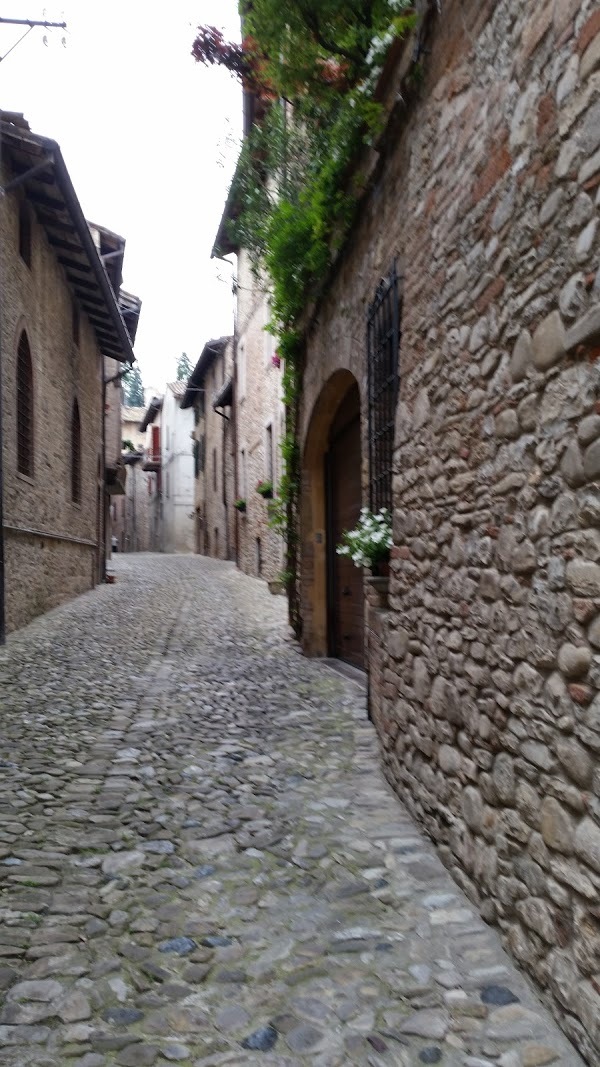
(201, 862)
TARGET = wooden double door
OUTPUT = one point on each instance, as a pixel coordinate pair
(345, 596)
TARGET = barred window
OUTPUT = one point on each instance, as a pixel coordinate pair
(75, 455)
(383, 346)
(24, 408)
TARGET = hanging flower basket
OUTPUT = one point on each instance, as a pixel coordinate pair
(368, 544)
(240, 505)
(265, 489)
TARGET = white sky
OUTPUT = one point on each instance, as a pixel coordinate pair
(150, 139)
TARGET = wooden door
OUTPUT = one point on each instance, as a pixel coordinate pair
(344, 496)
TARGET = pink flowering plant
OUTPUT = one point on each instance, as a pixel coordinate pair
(370, 541)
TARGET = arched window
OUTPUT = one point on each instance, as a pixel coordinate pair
(75, 454)
(24, 408)
(25, 233)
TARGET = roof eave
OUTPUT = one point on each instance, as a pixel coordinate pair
(211, 350)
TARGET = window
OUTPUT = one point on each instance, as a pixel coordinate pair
(75, 454)
(383, 344)
(75, 322)
(215, 469)
(25, 233)
(24, 408)
(156, 444)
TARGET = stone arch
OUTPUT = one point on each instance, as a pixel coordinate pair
(315, 550)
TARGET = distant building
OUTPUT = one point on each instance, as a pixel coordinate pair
(209, 393)
(258, 415)
(60, 321)
(111, 249)
(131, 512)
(169, 457)
(178, 471)
(150, 428)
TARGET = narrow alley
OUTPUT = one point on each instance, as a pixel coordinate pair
(201, 862)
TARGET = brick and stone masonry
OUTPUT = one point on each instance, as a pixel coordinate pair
(260, 418)
(43, 570)
(485, 667)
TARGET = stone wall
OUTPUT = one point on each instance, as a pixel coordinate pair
(59, 559)
(177, 471)
(257, 406)
(486, 670)
(131, 512)
(215, 482)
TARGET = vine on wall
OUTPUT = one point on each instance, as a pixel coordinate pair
(313, 66)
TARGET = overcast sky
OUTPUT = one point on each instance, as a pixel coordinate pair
(150, 139)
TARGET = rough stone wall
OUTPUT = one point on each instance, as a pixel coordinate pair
(41, 569)
(219, 490)
(131, 521)
(488, 665)
(257, 405)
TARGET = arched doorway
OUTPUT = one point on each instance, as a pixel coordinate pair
(332, 587)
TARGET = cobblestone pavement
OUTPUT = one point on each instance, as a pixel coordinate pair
(200, 862)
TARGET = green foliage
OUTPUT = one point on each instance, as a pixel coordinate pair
(133, 387)
(184, 367)
(370, 541)
(312, 66)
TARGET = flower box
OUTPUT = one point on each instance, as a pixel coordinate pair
(265, 489)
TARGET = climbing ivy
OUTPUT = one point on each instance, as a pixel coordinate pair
(311, 66)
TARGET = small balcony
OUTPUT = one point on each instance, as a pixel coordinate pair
(151, 460)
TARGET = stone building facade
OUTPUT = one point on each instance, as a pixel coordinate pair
(59, 320)
(131, 512)
(169, 457)
(150, 428)
(258, 410)
(209, 393)
(484, 658)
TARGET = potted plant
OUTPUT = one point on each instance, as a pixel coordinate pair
(265, 489)
(240, 505)
(368, 544)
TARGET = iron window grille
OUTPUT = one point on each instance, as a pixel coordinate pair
(383, 345)
(75, 455)
(24, 408)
